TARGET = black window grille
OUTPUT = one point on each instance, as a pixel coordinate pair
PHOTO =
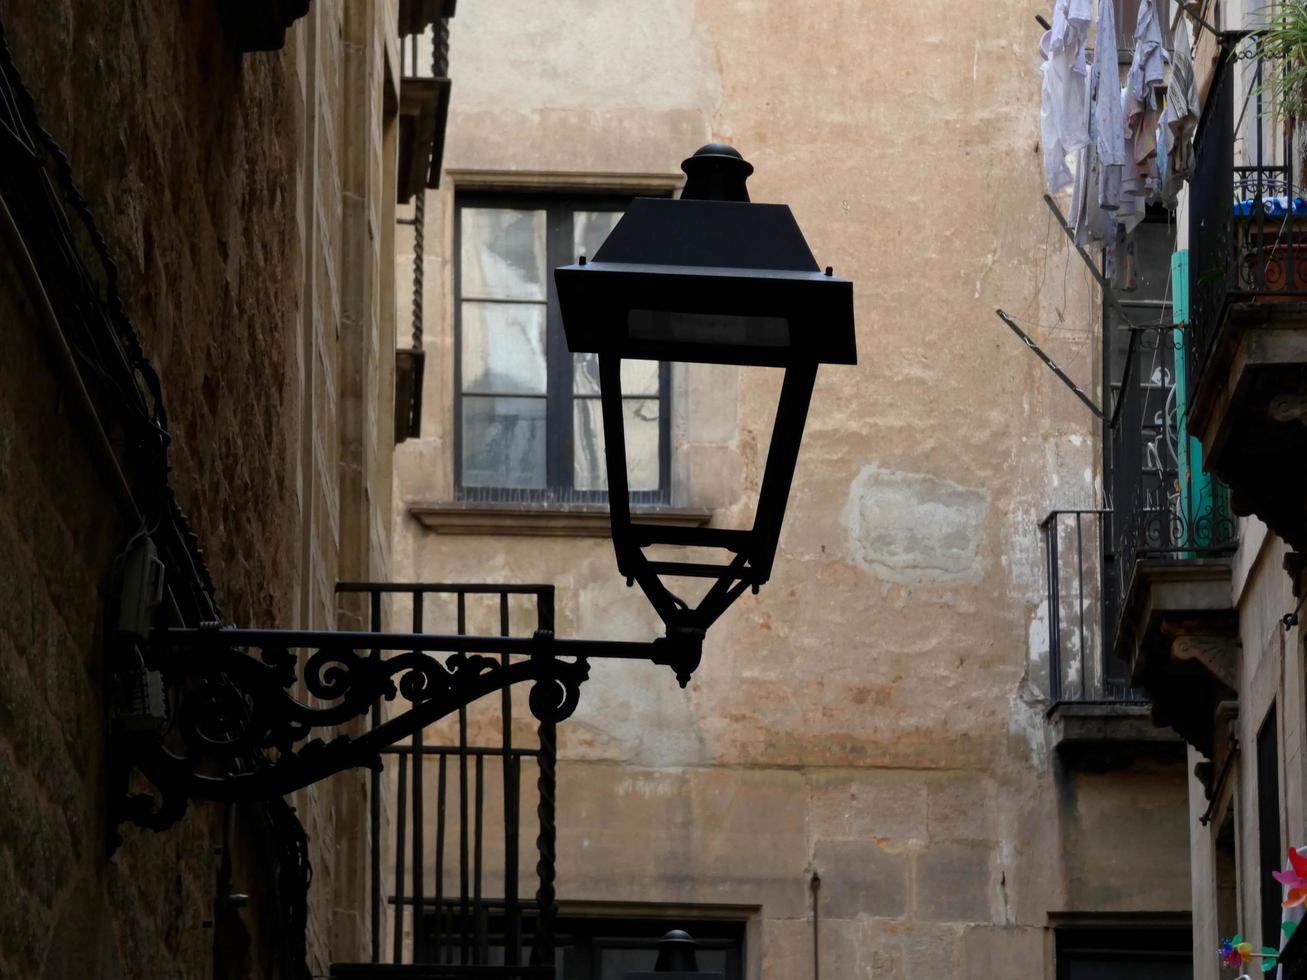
(527, 414)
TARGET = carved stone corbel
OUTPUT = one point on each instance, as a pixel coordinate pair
(1193, 673)
(1218, 655)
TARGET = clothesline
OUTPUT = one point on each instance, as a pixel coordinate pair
(1194, 14)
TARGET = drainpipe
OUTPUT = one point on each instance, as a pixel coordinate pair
(815, 885)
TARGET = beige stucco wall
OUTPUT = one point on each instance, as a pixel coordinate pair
(875, 713)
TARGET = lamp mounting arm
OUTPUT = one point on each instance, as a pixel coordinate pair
(245, 709)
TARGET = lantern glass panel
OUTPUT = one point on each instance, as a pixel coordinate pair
(708, 328)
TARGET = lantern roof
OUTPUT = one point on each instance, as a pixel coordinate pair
(710, 277)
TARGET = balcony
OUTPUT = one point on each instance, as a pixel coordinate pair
(1094, 713)
(1246, 342)
(1171, 536)
(423, 96)
(449, 815)
(1140, 626)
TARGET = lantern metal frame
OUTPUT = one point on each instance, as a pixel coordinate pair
(726, 281)
(709, 278)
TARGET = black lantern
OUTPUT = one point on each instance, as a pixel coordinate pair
(708, 278)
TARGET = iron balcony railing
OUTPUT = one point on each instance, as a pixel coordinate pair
(1247, 214)
(1164, 508)
(447, 815)
(1081, 609)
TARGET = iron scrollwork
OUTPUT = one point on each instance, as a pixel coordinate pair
(245, 704)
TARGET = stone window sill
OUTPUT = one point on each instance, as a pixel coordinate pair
(542, 520)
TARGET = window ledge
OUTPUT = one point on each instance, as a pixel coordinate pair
(542, 520)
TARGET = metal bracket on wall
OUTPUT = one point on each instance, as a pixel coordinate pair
(241, 724)
(1052, 366)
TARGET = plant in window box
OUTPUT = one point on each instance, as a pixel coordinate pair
(1269, 195)
(1281, 45)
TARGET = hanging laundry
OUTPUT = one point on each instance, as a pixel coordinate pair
(1083, 197)
(1140, 107)
(1163, 158)
(1109, 124)
(1181, 116)
(1064, 110)
(1130, 208)
(1148, 67)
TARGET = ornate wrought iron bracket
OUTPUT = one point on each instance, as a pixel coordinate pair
(243, 705)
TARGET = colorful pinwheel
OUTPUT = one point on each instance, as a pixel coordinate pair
(1236, 953)
(1294, 879)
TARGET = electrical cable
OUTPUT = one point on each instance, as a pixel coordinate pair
(98, 335)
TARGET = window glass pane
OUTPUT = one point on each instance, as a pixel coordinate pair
(641, 442)
(638, 377)
(589, 229)
(503, 442)
(640, 417)
(588, 467)
(503, 254)
(504, 348)
(616, 963)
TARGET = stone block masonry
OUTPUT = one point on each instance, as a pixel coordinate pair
(220, 183)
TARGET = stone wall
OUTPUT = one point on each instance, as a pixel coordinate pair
(245, 200)
(875, 714)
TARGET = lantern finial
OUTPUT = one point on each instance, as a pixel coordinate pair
(716, 172)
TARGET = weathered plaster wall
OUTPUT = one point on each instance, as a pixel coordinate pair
(873, 714)
(246, 202)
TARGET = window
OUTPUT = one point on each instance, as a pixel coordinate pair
(527, 414)
(1124, 954)
(599, 947)
(610, 948)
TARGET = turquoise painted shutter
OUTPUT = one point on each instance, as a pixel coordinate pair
(1200, 495)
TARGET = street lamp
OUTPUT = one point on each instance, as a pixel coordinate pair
(709, 278)
(217, 712)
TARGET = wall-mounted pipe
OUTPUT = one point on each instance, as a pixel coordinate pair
(815, 885)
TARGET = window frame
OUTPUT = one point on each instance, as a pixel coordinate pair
(560, 399)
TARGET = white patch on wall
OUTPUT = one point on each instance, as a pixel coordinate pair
(1027, 722)
(1038, 637)
(912, 528)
